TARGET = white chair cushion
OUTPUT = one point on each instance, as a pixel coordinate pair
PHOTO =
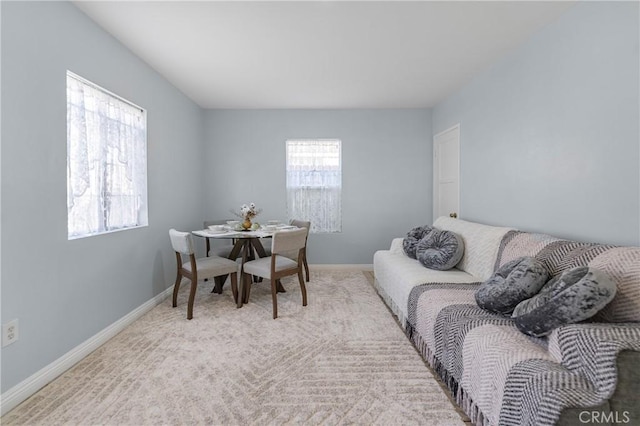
(292, 254)
(287, 241)
(212, 266)
(181, 241)
(262, 267)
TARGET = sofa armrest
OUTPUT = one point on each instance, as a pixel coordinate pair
(608, 355)
(396, 246)
(622, 407)
(592, 349)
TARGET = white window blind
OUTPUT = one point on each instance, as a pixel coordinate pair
(314, 183)
(106, 161)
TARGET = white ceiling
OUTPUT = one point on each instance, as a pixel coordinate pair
(320, 54)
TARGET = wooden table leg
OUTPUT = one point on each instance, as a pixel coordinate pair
(246, 288)
(257, 245)
(246, 282)
(218, 284)
(219, 281)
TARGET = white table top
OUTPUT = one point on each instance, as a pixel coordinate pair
(259, 233)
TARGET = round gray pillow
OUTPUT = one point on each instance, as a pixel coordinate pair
(440, 250)
(514, 282)
(413, 238)
(573, 296)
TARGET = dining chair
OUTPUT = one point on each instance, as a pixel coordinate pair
(277, 265)
(300, 224)
(307, 226)
(222, 250)
(198, 268)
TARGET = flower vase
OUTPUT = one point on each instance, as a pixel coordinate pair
(246, 224)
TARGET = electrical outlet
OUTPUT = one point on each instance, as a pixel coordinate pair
(9, 332)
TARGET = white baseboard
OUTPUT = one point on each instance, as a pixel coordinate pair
(342, 267)
(35, 382)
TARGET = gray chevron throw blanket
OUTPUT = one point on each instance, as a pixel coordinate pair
(500, 376)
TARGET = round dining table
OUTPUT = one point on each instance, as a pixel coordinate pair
(246, 244)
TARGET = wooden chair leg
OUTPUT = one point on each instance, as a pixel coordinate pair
(234, 285)
(305, 264)
(303, 288)
(192, 297)
(176, 287)
(247, 278)
(274, 297)
(306, 267)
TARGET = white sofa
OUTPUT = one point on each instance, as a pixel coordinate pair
(498, 375)
(397, 274)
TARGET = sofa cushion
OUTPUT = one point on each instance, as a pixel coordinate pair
(397, 274)
(514, 282)
(440, 250)
(574, 296)
(413, 238)
(481, 244)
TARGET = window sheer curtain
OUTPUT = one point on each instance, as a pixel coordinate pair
(106, 161)
(314, 183)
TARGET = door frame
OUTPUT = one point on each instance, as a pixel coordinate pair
(436, 170)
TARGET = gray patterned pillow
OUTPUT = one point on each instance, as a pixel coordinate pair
(441, 250)
(576, 295)
(413, 238)
(514, 282)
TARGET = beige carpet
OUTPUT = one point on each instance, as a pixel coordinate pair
(340, 360)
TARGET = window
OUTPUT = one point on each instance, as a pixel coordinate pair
(314, 183)
(106, 161)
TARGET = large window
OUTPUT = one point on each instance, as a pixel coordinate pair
(314, 183)
(106, 161)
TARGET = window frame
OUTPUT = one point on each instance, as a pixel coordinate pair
(143, 211)
(314, 226)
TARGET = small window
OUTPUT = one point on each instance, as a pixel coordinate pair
(314, 183)
(106, 161)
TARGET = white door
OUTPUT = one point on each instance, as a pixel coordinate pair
(446, 173)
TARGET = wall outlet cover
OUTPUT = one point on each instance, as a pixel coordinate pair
(9, 332)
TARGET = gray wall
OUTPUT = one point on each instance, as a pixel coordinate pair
(549, 143)
(386, 171)
(549, 135)
(64, 292)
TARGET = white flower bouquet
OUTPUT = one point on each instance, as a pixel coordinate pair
(247, 212)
